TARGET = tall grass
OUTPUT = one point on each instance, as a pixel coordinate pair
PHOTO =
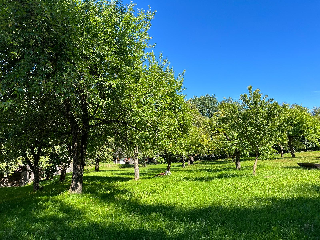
(207, 200)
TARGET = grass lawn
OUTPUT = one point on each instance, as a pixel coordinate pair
(208, 200)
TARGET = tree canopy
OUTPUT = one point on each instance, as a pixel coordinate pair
(207, 104)
(90, 59)
(76, 76)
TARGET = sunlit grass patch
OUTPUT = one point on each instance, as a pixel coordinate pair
(207, 200)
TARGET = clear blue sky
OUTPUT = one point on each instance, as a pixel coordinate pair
(227, 45)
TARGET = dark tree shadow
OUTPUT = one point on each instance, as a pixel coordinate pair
(271, 219)
(21, 215)
(293, 167)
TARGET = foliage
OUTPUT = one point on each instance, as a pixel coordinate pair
(154, 109)
(229, 124)
(29, 131)
(89, 59)
(207, 105)
(316, 111)
(198, 138)
(300, 127)
(250, 125)
(258, 121)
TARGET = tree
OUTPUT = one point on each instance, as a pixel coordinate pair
(229, 124)
(316, 111)
(27, 130)
(258, 118)
(151, 108)
(171, 133)
(89, 57)
(250, 125)
(207, 105)
(299, 125)
(280, 138)
(199, 139)
(88, 54)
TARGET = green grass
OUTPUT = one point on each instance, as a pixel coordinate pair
(208, 200)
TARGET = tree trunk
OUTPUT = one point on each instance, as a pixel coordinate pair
(36, 170)
(169, 163)
(63, 173)
(136, 164)
(80, 133)
(183, 162)
(255, 165)
(291, 147)
(79, 163)
(36, 180)
(190, 160)
(36, 174)
(281, 149)
(237, 161)
(35, 166)
(96, 168)
(77, 175)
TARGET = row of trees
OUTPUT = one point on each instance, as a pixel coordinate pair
(77, 78)
(259, 126)
(75, 74)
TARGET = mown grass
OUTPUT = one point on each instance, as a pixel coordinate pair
(208, 200)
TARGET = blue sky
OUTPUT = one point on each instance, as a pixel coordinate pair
(227, 45)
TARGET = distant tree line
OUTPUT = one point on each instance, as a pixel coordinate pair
(256, 125)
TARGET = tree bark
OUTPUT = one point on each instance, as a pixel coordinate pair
(77, 175)
(35, 166)
(79, 144)
(96, 168)
(136, 164)
(36, 170)
(281, 149)
(183, 162)
(79, 163)
(190, 160)
(36, 180)
(291, 147)
(63, 173)
(237, 160)
(169, 163)
(255, 165)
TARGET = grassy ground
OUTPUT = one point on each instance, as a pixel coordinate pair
(208, 200)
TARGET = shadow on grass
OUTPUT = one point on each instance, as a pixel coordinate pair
(301, 168)
(28, 215)
(213, 162)
(109, 170)
(293, 167)
(106, 179)
(188, 171)
(270, 219)
(216, 170)
(293, 158)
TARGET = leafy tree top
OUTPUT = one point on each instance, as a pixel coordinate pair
(207, 105)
